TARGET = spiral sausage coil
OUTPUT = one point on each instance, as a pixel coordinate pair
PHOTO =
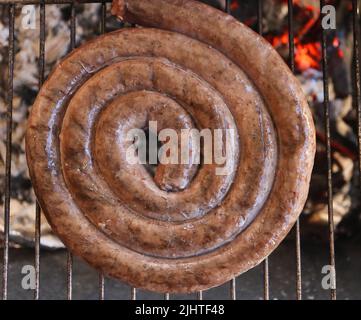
(186, 228)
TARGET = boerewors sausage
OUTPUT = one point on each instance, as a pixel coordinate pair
(185, 228)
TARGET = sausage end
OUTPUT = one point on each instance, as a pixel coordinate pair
(118, 9)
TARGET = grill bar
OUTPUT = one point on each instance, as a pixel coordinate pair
(356, 39)
(133, 294)
(233, 289)
(265, 262)
(37, 251)
(298, 261)
(232, 283)
(38, 210)
(101, 287)
(72, 26)
(227, 6)
(102, 31)
(69, 263)
(291, 36)
(297, 230)
(69, 278)
(331, 225)
(260, 16)
(266, 279)
(103, 17)
(9, 116)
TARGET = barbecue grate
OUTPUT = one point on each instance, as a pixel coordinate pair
(11, 4)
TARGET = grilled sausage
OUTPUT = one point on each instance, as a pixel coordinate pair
(187, 228)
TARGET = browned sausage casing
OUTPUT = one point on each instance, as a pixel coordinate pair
(187, 228)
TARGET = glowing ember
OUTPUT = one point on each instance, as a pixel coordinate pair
(307, 35)
(308, 56)
(234, 5)
(306, 39)
(279, 41)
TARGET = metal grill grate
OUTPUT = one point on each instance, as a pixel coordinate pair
(11, 4)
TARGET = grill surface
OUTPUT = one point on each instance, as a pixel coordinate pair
(11, 4)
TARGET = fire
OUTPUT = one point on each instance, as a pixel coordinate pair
(308, 56)
(307, 36)
(308, 50)
(279, 41)
(234, 5)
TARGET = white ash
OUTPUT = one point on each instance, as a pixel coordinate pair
(4, 35)
(26, 75)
